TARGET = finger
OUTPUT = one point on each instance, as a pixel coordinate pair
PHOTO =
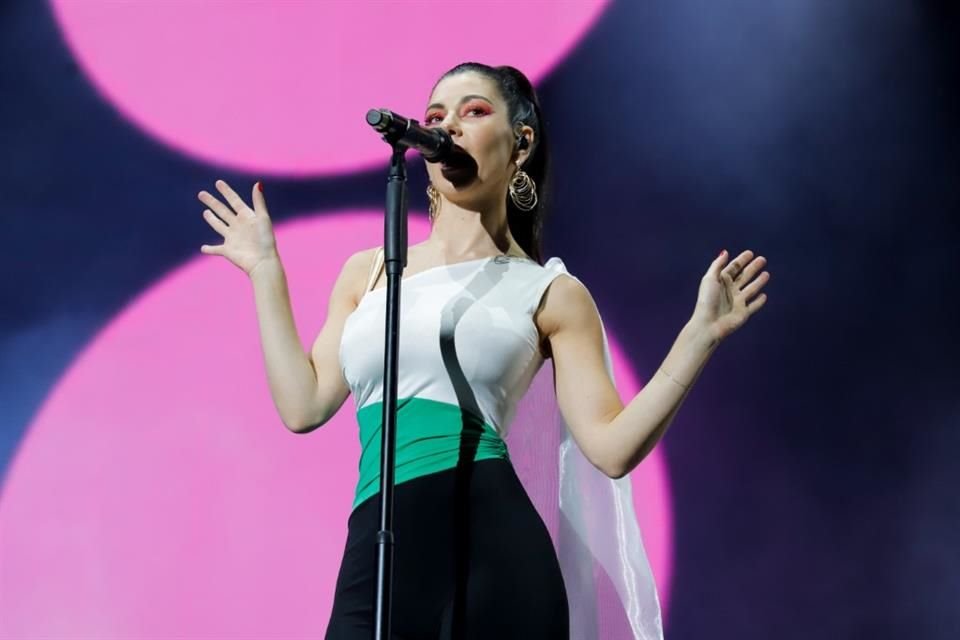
(213, 250)
(717, 265)
(729, 272)
(259, 201)
(750, 270)
(215, 222)
(751, 289)
(235, 201)
(222, 210)
(757, 303)
(736, 265)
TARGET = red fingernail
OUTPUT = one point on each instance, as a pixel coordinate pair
(260, 186)
(722, 252)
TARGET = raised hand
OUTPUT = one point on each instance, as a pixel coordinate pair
(728, 294)
(248, 233)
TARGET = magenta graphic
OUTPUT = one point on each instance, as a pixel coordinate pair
(283, 88)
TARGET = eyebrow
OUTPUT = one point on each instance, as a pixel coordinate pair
(462, 100)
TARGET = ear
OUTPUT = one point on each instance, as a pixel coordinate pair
(524, 139)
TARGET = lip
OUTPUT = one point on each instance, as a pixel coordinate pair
(459, 166)
(459, 177)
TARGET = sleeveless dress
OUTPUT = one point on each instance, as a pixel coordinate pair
(484, 544)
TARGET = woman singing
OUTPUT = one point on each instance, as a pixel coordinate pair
(480, 313)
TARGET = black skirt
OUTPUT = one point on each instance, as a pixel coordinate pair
(472, 559)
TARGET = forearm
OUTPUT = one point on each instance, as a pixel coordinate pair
(290, 375)
(635, 431)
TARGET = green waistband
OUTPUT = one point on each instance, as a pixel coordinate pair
(431, 436)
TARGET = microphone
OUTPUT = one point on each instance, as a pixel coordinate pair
(434, 144)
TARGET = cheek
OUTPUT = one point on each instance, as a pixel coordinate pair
(492, 154)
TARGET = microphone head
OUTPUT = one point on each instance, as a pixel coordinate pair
(378, 119)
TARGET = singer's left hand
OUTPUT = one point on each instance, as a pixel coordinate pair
(728, 294)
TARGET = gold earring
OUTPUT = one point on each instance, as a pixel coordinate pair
(523, 190)
(434, 196)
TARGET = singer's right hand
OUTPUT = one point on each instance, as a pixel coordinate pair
(248, 233)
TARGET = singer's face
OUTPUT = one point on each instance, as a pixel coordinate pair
(469, 107)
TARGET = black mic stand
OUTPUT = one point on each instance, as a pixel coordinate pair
(400, 133)
(395, 259)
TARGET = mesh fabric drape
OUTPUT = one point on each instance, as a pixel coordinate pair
(590, 516)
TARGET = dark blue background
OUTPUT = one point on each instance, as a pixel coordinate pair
(813, 464)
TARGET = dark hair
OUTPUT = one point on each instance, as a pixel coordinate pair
(523, 107)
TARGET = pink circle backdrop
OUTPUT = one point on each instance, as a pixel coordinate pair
(156, 493)
(283, 87)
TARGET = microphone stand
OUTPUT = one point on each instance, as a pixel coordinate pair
(400, 133)
(395, 259)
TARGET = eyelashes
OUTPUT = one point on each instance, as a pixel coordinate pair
(430, 118)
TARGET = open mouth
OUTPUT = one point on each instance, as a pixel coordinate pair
(459, 166)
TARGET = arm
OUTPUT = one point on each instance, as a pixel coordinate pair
(616, 438)
(660, 399)
(613, 437)
(307, 389)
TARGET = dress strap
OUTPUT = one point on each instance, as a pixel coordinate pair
(375, 269)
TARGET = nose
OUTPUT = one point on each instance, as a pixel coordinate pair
(453, 130)
(451, 125)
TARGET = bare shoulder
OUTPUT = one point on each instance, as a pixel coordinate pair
(566, 304)
(355, 271)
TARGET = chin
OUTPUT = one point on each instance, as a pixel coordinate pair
(455, 180)
(460, 186)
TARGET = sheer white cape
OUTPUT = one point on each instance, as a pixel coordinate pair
(591, 519)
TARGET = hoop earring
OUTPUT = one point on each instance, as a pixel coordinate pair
(523, 190)
(434, 197)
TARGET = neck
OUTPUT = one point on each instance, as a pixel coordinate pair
(460, 231)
